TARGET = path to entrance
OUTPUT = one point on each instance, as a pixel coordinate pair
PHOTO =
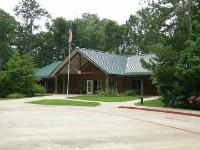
(25, 126)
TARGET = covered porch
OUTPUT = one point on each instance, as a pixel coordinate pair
(90, 83)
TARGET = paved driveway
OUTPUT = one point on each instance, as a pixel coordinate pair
(25, 126)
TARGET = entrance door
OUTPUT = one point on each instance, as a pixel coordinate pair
(90, 86)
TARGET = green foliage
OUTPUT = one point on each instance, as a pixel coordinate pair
(38, 90)
(29, 11)
(128, 93)
(19, 76)
(153, 103)
(100, 93)
(8, 26)
(109, 93)
(59, 35)
(62, 102)
(176, 74)
(89, 32)
(45, 52)
(188, 68)
(20, 71)
(106, 98)
(160, 102)
(144, 30)
(113, 36)
(176, 66)
(5, 85)
(16, 95)
(115, 93)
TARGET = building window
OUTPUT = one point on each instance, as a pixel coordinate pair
(112, 85)
(99, 85)
(136, 84)
(83, 86)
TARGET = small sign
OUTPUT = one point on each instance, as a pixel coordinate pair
(78, 72)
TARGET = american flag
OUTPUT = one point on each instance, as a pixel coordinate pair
(70, 35)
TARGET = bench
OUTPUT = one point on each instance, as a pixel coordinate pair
(194, 102)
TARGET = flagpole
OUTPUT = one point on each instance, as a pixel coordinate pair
(68, 67)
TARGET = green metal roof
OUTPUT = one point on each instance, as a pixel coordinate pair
(47, 70)
(111, 63)
(117, 64)
(134, 65)
(108, 62)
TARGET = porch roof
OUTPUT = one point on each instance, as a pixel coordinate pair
(47, 70)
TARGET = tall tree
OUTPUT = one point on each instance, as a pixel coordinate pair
(89, 32)
(59, 30)
(113, 36)
(188, 68)
(145, 29)
(176, 65)
(44, 49)
(29, 11)
(8, 27)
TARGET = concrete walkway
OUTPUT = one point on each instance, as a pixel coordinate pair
(25, 126)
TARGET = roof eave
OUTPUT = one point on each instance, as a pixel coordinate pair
(137, 74)
(53, 74)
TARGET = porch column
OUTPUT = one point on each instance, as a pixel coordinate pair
(56, 84)
(107, 83)
(63, 83)
(45, 85)
(142, 87)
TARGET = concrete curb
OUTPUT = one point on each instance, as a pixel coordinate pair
(162, 110)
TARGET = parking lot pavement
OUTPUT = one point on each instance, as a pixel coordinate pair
(25, 126)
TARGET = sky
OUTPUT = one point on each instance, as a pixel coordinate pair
(117, 10)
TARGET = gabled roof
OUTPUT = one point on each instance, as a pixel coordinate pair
(107, 62)
(46, 71)
(110, 63)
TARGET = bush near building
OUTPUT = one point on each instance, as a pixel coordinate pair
(19, 77)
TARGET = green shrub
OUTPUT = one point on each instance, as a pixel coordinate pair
(113, 93)
(195, 94)
(16, 95)
(100, 92)
(19, 77)
(109, 93)
(38, 90)
(129, 93)
(5, 87)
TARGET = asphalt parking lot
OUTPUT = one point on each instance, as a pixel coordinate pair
(25, 126)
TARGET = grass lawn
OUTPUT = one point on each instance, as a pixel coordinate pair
(15, 96)
(158, 103)
(152, 103)
(64, 102)
(1, 99)
(106, 98)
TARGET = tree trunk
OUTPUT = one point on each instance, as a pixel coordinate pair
(190, 15)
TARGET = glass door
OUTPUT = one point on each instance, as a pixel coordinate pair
(90, 86)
